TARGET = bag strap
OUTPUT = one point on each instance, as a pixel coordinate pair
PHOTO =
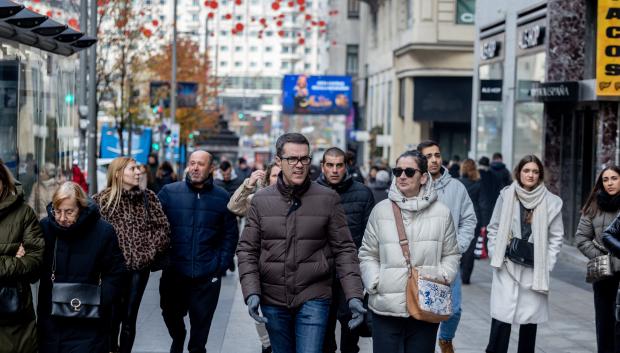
(53, 277)
(146, 206)
(402, 237)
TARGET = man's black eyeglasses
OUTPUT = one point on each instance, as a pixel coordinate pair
(305, 160)
(409, 172)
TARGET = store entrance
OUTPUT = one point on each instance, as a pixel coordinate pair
(454, 139)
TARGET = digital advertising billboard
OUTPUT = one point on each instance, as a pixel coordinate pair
(321, 95)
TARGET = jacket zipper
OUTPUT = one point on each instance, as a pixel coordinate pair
(194, 232)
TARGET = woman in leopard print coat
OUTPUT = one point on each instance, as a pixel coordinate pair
(143, 232)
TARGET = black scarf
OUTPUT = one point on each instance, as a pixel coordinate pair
(292, 192)
(606, 202)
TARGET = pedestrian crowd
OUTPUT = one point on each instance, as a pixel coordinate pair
(385, 253)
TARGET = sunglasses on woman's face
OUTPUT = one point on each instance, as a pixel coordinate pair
(409, 172)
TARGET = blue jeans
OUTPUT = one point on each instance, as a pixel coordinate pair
(299, 330)
(447, 329)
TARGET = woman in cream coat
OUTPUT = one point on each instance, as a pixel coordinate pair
(520, 294)
(434, 252)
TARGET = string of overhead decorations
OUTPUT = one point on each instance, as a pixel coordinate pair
(214, 7)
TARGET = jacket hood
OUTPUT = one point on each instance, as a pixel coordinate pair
(10, 202)
(87, 217)
(443, 180)
(416, 203)
(498, 166)
(341, 187)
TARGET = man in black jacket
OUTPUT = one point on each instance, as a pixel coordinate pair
(357, 201)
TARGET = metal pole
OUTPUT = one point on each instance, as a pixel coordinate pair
(206, 92)
(83, 83)
(92, 104)
(173, 84)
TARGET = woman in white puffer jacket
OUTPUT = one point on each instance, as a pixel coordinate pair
(434, 252)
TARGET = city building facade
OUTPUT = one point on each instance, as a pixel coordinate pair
(417, 60)
(535, 93)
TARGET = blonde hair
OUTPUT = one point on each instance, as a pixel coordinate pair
(114, 188)
(70, 191)
(469, 170)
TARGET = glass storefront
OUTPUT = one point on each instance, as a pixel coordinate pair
(490, 113)
(528, 125)
(38, 116)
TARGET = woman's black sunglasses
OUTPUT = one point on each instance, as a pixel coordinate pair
(409, 172)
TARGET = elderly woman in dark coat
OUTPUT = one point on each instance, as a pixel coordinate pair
(21, 252)
(86, 252)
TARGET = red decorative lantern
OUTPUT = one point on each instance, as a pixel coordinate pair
(238, 2)
(291, 3)
(308, 17)
(322, 23)
(213, 5)
(211, 15)
(147, 33)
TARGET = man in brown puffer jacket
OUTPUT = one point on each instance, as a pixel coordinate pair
(296, 232)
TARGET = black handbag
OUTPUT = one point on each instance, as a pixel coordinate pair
(75, 300)
(521, 251)
(10, 299)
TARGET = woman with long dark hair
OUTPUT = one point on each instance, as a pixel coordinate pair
(470, 177)
(143, 233)
(525, 237)
(21, 254)
(599, 211)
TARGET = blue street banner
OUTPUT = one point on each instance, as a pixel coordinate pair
(322, 95)
(140, 143)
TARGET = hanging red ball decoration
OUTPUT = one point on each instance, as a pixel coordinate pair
(322, 23)
(281, 33)
(302, 8)
(275, 6)
(155, 23)
(73, 23)
(291, 3)
(228, 16)
(301, 41)
(213, 5)
(279, 23)
(147, 32)
(239, 27)
(238, 2)
(308, 17)
(211, 15)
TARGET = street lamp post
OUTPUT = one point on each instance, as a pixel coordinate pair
(173, 84)
(92, 104)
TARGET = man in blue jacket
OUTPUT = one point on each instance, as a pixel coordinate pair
(203, 241)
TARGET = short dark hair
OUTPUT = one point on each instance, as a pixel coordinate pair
(242, 160)
(420, 159)
(291, 137)
(427, 143)
(225, 165)
(334, 152)
(525, 160)
(497, 155)
(484, 161)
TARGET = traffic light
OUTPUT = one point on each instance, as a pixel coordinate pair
(69, 98)
(155, 146)
(168, 139)
(191, 135)
(241, 115)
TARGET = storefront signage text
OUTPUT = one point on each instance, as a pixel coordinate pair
(491, 90)
(548, 92)
(532, 37)
(608, 48)
(490, 50)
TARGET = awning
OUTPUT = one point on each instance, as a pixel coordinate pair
(30, 28)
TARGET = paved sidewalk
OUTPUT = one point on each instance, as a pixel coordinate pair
(570, 330)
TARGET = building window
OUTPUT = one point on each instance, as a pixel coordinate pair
(286, 49)
(238, 49)
(223, 33)
(253, 48)
(465, 12)
(401, 97)
(268, 49)
(353, 8)
(352, 59)
(268, 64)
(223, 63)
(237, 63)
(284, 65)
(307, 66)
(269, 33)
(224, 48)
(490, 111)
(253, 64)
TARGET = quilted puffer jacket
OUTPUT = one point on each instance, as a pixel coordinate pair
(290, 247)
(357, 201)
(432, 244)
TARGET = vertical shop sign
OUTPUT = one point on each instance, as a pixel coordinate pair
(608, 48)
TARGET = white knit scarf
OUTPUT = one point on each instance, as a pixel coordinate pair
(536, 200)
